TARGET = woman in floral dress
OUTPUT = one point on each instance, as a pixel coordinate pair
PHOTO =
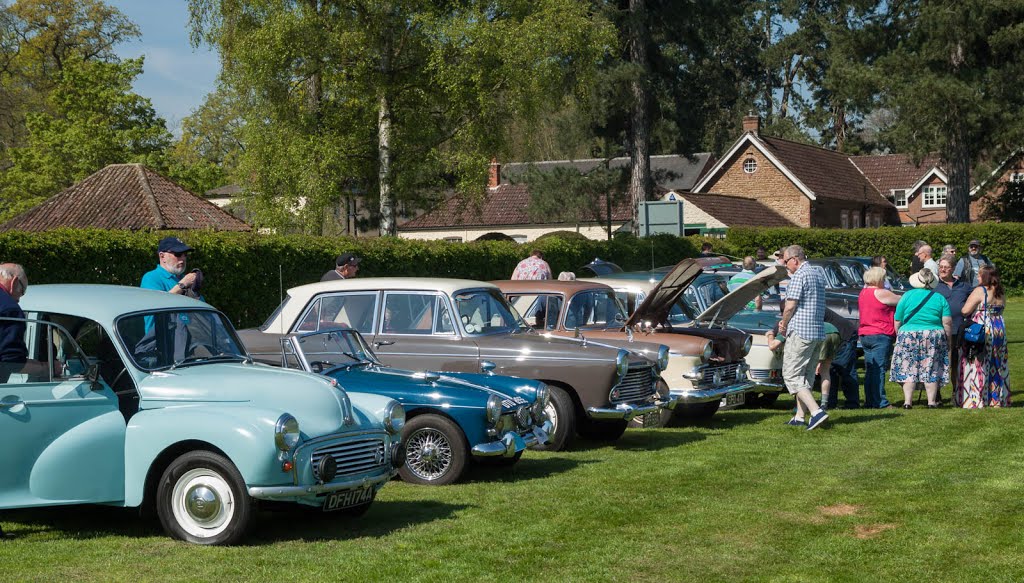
(984, 370)
(923, 328)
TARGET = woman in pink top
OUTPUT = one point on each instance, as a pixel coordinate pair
(877, 333)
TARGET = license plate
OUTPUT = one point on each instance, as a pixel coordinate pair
(347, 498)
(735, 399)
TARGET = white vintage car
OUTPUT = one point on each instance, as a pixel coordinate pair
(692, 309)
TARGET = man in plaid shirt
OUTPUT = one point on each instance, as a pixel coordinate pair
(803, 326)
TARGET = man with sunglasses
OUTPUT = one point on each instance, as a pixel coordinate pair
(169, 275)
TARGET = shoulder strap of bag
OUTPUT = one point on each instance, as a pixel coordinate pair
(919, 306)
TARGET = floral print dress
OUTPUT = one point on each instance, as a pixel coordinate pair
(984, 371)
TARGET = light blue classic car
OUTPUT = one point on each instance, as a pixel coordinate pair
(135, 397)
(452, 417)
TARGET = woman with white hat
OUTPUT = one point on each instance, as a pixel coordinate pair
(924, 328)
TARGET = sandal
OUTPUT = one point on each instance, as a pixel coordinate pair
(907, 406)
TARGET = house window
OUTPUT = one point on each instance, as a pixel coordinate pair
(1017, 177)
(934, 196)
(899, 198)
(453, 239)
(750, 165)
(856, 219)
(844, 219)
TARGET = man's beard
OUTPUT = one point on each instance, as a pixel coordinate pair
(176, 270)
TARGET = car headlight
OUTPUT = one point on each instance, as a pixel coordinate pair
(662, 358)
(707, 353)
(286, 433)
(543, 394)
(493, 409)
(746, 345)
(622, 364)
(394, 417)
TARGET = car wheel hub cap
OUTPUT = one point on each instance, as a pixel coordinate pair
(429, 454)
(552, 415)
(202, 504)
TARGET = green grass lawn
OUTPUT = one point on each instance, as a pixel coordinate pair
(877, 495)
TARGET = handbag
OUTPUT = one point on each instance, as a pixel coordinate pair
(975, 333)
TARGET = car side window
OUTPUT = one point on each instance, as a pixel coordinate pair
(354, 311)
(443, 323)
(414, 313)
(52, 356)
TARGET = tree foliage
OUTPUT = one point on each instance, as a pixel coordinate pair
(92, 119)
(384, 99)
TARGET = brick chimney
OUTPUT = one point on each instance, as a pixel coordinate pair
(494, 174)
(751, 123)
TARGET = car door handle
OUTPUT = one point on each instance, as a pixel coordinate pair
(10, 404)
(380, 343)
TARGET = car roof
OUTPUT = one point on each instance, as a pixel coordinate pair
(388, 283)
(102, 303)
(531, 286)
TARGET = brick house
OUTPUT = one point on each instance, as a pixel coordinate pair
(808, 185)
(129, 197)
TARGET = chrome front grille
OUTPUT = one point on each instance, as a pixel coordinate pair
(638, 385)
(761, 374)
(353, 457)
(726, 374)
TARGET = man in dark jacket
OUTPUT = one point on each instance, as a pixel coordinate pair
(13, 352)
(844, 365)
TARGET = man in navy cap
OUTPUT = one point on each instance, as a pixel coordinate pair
(169, 275)
(345, 267)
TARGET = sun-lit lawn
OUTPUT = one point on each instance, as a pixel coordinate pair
(877, 495)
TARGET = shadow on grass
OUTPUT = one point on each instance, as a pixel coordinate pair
(527, 468)
(643, 440)
(839, 419)
(282, 523)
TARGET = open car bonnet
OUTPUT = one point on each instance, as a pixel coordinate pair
(658, 303)
(735, 301)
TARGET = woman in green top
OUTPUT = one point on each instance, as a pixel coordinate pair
(924, 329)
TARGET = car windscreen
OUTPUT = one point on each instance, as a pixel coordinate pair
(331, 348)
(595, 309)
(167, 339)
(485, 311)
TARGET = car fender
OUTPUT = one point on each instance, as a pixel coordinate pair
(244, 434)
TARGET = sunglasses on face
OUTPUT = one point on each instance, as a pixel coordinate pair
(178, 254)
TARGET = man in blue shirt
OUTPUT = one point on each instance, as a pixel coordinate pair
(169, 275)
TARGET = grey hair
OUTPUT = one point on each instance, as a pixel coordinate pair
(10, 271)
(948, 258)
(918, 244)
(796, 251)
(749, 263)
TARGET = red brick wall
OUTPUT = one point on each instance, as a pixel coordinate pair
(768, 184)
(915, 211)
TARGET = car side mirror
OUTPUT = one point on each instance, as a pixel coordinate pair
(487, 367)
(619, 318)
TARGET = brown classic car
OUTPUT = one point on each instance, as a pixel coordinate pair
(705, 366)
(467, 326)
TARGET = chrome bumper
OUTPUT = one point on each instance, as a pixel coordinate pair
(763, 378)
(284, 492)
(512, 443)
(626, 412)
(711, 394)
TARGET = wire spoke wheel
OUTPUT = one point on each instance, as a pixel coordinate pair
(428, 454)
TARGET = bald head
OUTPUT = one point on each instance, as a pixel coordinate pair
(925, 252)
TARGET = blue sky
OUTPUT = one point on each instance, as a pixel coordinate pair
(176, 77)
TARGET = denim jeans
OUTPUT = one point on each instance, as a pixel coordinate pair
(877, 356)
(844, 373)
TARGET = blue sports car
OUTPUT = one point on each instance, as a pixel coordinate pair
(451, 417)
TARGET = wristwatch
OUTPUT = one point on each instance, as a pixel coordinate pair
(180, 286)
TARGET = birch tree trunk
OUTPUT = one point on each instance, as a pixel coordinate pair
(387, 197)
(639, 189)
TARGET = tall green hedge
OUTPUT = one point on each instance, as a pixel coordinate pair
(246, 272)
(1003, 243)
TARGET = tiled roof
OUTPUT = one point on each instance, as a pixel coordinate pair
(737, 211)
(826, 173)
(502, 205)
(890, 172)
(671, 172)
(129, 197)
